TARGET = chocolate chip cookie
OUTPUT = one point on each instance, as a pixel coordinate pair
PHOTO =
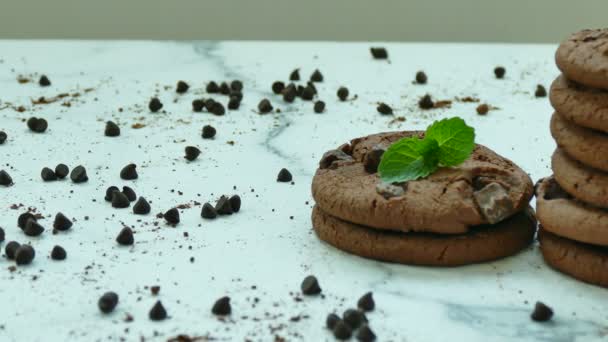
(583, 57)
(579, 104)
(585, 183)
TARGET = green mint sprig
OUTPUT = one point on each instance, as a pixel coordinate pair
(448, 142)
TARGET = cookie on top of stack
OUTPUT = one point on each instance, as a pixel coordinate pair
(474, 212)
(572, 205)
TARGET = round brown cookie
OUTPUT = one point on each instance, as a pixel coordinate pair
(583, 57)
(486, 188)
(483, 243)
(583, 144)
(582, 105)
(560, 214)
(582, 261)
(585, 183)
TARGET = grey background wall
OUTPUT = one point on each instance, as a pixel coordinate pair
(384, 20)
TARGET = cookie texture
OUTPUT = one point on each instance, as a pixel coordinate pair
(584, 106)
(583, 57)
(585, 183)
(583, 144)
(480, 244)
(561, 214)
(486, 188)
(584, 262)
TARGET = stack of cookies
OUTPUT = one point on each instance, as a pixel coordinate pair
(461, 215)
(572, 205)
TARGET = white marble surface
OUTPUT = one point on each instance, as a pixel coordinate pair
(261, 245)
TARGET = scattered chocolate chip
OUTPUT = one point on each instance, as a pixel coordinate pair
(198, 105)
(541, 313)
(44, 81)
(295, 75)
(48, 175)
(331, 321)
(310, 286)
(234, 103)
(290, 93)
(208, 211)
(155, 105)
(212, 88)
(209, 103)
(130, 193)
(33, 228)
(58, 253)
(61, 222)
(354, 318)
(208, 132)
(181, 87)
(216, 109)
(342, 93)
(223, 206)
(379, 52)
(421, 77)
(482, 109)
(499, 72)
(366, 302)
(316, 76)
(426, 102)
(112, 129)
(540, 91)
(5, 178)
(192, 153)
(10, 249)
(342, 331)
(125, 237)
(372, 159)
(3, 137)
(61, 171)
(319, 107)
(109, 191)
(236, 85)
(331, 156)
(155, 290)
(224, 88)
(38, 125)
(172, 216)
(235, 203)
(141, 207)
(222, 307)
(265, 106)
(129, 172)
(120, 200)
(308, 93)
(23, 218)
(79, 174)
(284, 176)
(384, 109)
(1, 234)
(24, 254)
(237, 95)
(277, 87)
(107, 303)
(365, 334)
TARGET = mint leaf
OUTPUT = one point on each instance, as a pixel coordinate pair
(456, 140)
(409, 159)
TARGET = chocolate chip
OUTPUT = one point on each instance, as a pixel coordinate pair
(33, 228)
(265, 106)
(158, 312)
(316, 76)
(112, 129)
(62, 223)
(130, 193)
(234, 103)
(540, 91)
(48, 175)
(198, 105)
(172, 216)
(212, 87)
(208, 132)
(222, 307)
(216, 109)
(379, 52)
(235, 203)
(499, 72)
(155, 290)
(129, 172)
(319, 107)
(372, 159)
(208, 211)
(61, 171)
(366, 302)
(58, 253)
(107, 302)
(421, 77)
(384, 109)
(365, 334)
(5, 178)
(494, 202)
(554, 191)
(120, 200)
(354, 318)
(1, 234)
(79, 174)
(223, 206)
(3, 137)
(38, 125)
(308, 93)
(141, 207)
(342, 331)
(125, 237)
(44, 81)
(155, 105)
(236, 85)
(290, 93)
(109, 191)
(192, 153)
(10, 249)
(24, 255)
(23, 218)
(224, 88)
(284, 176)
(310, 286)
(342, 93)
(181, 87)
(541, 313)
(277, 87)
(295, 75)
(482, 109)
(426, 102)
(331, 321)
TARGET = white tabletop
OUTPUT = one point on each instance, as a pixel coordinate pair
(261, 246)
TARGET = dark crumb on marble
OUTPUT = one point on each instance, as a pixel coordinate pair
(212, 87)
(192, 152)
(5, 178)
(342, 331)
(61, 171)
(540, 91)
(222, 307)
(541, 313)
(155, 290)
(342, 93)
(277, 87)
(44, 81)
(155, 105)
(24, 255)
(421, 77)
(158, 312)
(365, 334)
(37, 125)
(331, 321)
(265, 106)
(208, 132)
(426, 102)
(125, 237)
(107, 302)
(141, 207)
(112, 129)
(316, 76)
(48, 175)
(58, 253)
(295, 75)
(284, 176)
(384, 109)
(182, 87)
(483, 109)
(499, 72)
(129, 172)
(366, 302)
(319, 107)
(3, 137)
(172, 216)
(198, 105)
(379, 52)
(310, 286)
(208, 211)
